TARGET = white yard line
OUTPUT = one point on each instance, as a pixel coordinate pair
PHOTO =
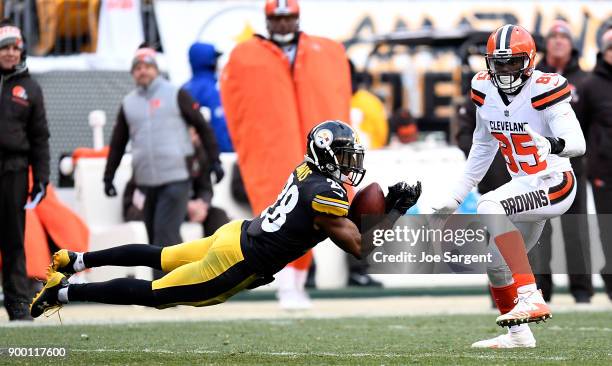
(492, 356)
(579, 329)
(324, 308)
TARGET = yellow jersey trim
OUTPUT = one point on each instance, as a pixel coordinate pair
(329, 209)
(323, 198)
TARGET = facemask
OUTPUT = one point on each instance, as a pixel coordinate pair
(510, 83)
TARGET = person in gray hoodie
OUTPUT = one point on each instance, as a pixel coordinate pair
(155, 117)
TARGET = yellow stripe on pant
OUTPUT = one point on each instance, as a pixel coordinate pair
(204, 272)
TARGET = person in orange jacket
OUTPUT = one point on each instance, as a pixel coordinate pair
(274, 90)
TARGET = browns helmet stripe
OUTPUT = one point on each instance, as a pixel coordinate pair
(506, 34)
(498, 38)
(282, 7)
(509, 36)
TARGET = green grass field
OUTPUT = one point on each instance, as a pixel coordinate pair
(570, 338)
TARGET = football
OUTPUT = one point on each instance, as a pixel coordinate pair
(369, 200)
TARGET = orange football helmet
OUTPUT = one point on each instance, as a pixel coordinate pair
(510, 57)
(282, 7)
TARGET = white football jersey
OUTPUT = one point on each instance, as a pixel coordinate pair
(501, 122)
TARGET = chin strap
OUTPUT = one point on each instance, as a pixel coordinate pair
(309, 159)
(336, 173)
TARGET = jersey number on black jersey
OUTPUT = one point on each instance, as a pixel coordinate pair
(275, 216)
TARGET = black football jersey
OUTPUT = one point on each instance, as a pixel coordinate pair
(285, 231)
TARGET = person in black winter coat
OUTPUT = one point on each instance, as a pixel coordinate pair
(596, 106)
(497, 175)
(562, 57)
(24, 143)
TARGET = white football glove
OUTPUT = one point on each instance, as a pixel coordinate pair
(442, 209)
(446, 206)
(541, 143)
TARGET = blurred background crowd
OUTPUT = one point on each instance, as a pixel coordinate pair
(187, 114)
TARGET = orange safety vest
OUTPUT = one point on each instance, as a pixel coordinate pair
(271, 106)
(51, 217)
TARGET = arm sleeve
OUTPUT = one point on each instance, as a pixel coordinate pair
(482, 153)
(563, 123)
(190, 111)
(38, 136)
(119, 140)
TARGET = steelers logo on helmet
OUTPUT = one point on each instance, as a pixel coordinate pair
(323, 138)
(356, 137)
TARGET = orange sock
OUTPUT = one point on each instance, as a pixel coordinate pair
(522, 279)
(504, 297)
(512, 248)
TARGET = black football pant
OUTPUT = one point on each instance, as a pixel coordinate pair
(575, 229)
(164, 211)
(213, 286)
(15, 284)
(120, 291)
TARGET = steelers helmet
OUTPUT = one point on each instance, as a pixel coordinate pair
(334, 147)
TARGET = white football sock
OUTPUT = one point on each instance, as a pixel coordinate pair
(300, 278)
(285, 279)
(527, 288)
(79, 264)
(62, 295)
(519, 328)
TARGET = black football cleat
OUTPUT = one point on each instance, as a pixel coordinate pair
(63, 262)
(47, 299)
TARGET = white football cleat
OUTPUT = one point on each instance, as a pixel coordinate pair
(294, 300)
(523, 339)
(530, 307)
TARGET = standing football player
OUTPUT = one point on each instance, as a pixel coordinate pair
(242, 254)
(526, 114)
